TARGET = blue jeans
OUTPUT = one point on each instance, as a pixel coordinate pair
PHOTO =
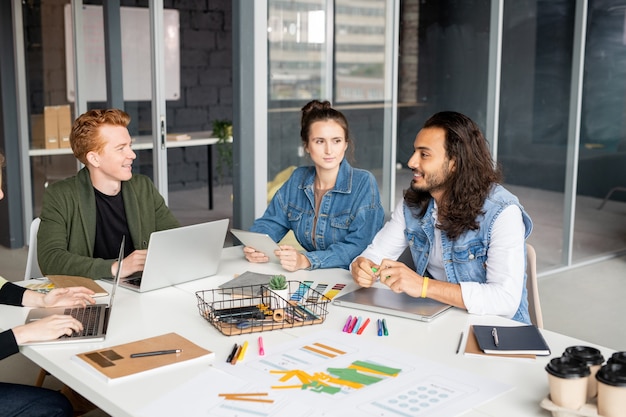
(28, 401)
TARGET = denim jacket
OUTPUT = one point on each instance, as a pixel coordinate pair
(465, 259)
(349, 216)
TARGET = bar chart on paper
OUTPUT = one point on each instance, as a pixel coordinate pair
(330, 374)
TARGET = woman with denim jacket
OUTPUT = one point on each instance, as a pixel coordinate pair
(466, 232)
(333, 209)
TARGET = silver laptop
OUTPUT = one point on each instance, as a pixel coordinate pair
(95, 317)
(384, 301)
(180, 255)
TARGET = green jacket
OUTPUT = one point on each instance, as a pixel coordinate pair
(67, 233)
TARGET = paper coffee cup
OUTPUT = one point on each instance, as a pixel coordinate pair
(612, 390)
(593, 358)
(568, 378)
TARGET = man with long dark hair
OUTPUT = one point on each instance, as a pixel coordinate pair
(466, 232)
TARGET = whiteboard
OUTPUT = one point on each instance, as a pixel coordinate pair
(136, 61)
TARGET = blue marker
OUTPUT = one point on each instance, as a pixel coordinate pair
(380, 327)
(358, 324)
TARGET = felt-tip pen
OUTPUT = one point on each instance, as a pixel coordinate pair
(232, 353)
(155, 353)
(347, 325)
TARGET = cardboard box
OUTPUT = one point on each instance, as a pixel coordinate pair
(43, 136)
(52, 129)
(64, 122)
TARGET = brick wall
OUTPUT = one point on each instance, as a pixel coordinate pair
(205, 77)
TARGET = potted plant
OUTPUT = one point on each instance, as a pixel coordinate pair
(280, 288)
(223, 131)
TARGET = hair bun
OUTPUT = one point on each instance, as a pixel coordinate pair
(316, 105)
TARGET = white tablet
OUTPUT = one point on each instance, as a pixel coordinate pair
(259, 241)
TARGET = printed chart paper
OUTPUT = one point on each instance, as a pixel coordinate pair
(329, 374)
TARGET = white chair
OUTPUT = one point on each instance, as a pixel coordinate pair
(33, 271)
(32, 265)
(534, 306)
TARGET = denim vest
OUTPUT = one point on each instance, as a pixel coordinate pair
(465, 259)
(349, 215)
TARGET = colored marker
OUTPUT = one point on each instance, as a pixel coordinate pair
(232, 353)
(243, 351)
(347, 325)
(236, 356)
(364, 326)
(385, 331)
(358, 324)
(380, 327)
(261, 350)
(352, 324)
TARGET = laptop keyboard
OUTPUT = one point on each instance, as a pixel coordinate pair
(133, 281)
(89, 316)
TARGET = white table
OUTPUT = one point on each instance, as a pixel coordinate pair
(144, 142)
(138, 316)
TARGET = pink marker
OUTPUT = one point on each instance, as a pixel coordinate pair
(347, 325)
(261, 350)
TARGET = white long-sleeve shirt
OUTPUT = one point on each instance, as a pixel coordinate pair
(506, 262)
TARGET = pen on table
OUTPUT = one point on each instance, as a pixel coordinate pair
(458, 347)
(243, 351)
(232, 353)
(347, 325)
(380, 327)
(385, 331)
(236, 355)
(494, 333)
(358, 324)
(364, 326)
(155, 353)
(261, 349)
(352, 324)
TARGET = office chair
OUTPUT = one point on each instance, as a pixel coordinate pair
(534, 306)
(32, 265)
(33, 271)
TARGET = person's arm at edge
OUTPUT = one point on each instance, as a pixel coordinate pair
(52, 242)
(506, 263)
(389, 242)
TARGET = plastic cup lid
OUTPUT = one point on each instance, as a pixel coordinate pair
(618, 357)
(612, 374)
(567, 367)
(587, 354)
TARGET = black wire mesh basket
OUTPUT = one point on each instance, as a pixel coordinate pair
(256, 308)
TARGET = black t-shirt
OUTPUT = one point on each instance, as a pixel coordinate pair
(111, 225)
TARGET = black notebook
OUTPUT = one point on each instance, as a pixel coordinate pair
(513, 340)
